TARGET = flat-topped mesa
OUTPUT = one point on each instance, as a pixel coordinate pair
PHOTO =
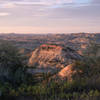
(53, 56)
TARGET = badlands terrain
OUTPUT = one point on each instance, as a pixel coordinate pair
(29, 42)
(59, 66)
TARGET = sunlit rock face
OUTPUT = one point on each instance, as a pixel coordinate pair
(53, 56)
(65, 73)
(68, 73)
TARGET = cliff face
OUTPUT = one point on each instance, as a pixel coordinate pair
(53, 56)
(67, 73)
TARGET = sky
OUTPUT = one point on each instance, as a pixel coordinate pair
(49, 16)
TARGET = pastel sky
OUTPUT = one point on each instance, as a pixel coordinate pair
(49, 16)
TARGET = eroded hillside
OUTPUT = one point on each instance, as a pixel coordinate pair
(51, 58)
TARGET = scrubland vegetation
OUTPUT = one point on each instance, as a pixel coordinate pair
(16, 83)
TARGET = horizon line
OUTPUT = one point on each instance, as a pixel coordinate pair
(50, 33)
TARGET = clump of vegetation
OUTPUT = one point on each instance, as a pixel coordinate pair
(12, 70)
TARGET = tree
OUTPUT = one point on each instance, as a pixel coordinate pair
(11, 67)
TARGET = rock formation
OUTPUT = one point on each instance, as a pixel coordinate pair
(53, 56)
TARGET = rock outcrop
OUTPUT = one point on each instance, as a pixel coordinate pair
(53, 56)
(54, 59)
(67, 73)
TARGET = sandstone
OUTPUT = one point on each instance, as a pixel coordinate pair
(52, 55)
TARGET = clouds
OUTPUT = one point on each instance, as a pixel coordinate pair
(49, 14)
(57, 3)
(96, 1)
(2, 14)
(7, 5)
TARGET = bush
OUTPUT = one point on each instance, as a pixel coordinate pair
(12, 69)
